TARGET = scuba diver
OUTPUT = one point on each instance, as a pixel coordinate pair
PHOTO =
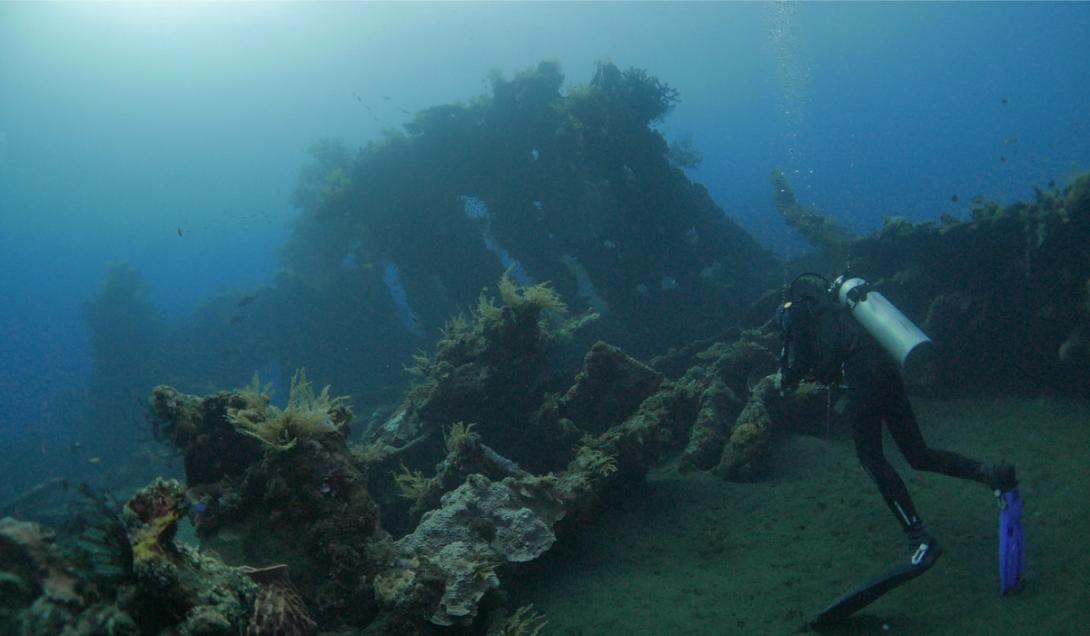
(846, 332)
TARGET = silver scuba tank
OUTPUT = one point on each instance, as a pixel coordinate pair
(902, 339)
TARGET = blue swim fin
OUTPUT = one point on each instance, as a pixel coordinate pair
(1012, 555)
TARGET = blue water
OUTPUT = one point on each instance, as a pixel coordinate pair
(170, 136)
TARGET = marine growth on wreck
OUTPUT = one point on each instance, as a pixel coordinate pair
(575, 312)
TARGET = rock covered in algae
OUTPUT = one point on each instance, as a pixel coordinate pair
(746, 452)
(719, 406)
(301, 498)
(278, 610)
(41, 591)
(450, 561)
(478, 527)
(152, 585)
(719, 384)
(490, 368)
(610, 387)
(179, 586)
(32, 564)
(152, 515)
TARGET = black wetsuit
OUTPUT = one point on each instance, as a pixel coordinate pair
(836, 348)
(877, 396)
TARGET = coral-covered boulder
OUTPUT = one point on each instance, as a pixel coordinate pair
(31, 565)
(478, 527)
(610, 387)
(42, 592)
(746, 452)
(195, 593)
(301, 498)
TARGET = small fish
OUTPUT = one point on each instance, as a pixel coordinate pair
(1002, 159)
(94, 460)
(246, 300)
(179, 230)
(954, 198)
(386, 97)
(235, 320)
(1052, 183)
(1010, 141)
(1003, 101)
(75, 447)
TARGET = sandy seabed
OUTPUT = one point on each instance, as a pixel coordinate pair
(690, 554)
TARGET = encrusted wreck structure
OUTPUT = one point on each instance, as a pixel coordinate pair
(501, 447)
(1000, 293)
(572, 186)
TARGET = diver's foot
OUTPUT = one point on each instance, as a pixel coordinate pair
(925, 554)
(999, 477)
(924, 550)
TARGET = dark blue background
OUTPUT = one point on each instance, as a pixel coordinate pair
(121, 123)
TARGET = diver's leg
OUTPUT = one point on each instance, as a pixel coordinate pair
(905, 430)
(870, 380)
(868, 377)
(867, 433)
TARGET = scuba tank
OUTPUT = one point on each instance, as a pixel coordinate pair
(902, 339)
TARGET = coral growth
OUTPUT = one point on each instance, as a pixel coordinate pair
(278, 610)
(457, 436)
(90, 584)
(488, 368)
(303, 501)
(541, 296)
(32, 565)
(42, 592)
(524, 622)
(176, 580)
(593, 461)
(152, 516)
(211, 447)
(414, 485)
(307, 414)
